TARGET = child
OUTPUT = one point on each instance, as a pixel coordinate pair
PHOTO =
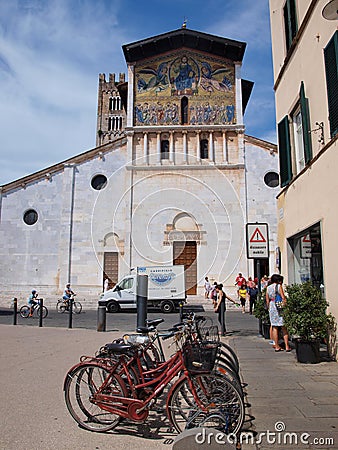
(242, 293)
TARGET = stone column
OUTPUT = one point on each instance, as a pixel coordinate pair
(158, 142)
(130, 112)
(225, 147)
(171, 147)
(145, 148)
(185, 147)
(238, 84)
(198, 146)
(211, 147)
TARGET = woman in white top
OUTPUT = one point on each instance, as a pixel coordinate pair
(276, 317)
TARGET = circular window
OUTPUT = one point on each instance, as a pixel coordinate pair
(30, 217)
(271, 179)
(99, 182)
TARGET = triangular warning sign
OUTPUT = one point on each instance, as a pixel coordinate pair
(257, 236)
(306, 238)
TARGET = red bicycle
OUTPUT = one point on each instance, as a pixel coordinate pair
(99, 392)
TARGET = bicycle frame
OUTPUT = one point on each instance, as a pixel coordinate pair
(134, 408)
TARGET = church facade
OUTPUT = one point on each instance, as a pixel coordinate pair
(173, 179)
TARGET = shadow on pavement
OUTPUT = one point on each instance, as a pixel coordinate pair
(6, 312)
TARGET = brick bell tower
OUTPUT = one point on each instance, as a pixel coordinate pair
(111, 108)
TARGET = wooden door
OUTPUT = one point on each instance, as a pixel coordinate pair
(185, 253)
(111, 268)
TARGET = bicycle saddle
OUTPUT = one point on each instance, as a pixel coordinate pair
(118, 348)
(145, 329)
(154, 322)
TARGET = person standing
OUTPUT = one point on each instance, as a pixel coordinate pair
(253, 293)
(106, 285)
(207, 287)
(276, 318)
(220, 307)
(239, 281)
(242, 293)
(213, 293)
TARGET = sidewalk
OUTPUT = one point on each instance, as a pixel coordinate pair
(34, 416)
(284, 395)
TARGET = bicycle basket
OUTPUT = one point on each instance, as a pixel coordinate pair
(200, 357)
(208, 334)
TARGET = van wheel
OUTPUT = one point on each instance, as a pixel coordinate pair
(113, 307)
(167, 306)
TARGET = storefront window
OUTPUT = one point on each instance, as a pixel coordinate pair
(305, 259)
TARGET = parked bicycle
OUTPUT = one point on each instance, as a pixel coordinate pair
(63, 305)
(25, 310)
(116, 384)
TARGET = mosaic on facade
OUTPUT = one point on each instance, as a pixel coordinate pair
(206, 85)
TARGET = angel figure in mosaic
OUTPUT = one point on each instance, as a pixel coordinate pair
(209, 83)
(159, 81)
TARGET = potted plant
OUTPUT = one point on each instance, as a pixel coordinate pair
(306, 320)
(262, 313)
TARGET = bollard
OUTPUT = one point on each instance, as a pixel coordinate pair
(101, 316)
(141, 300)
(40, 311)
(181, 311)
(70, 317)
(15, 306)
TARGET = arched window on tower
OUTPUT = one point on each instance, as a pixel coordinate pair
(165, 149)
(110, 103)
(204, 149)
(184, 111)
(120, 123)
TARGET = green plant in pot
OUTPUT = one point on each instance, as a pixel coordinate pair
(306, 320)
(262, 313)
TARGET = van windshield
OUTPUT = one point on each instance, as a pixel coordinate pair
(127, 283)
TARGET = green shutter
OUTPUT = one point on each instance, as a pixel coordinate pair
(284, 150)
(293, 18)
(304, 109)
(331, 67)
(290, 22)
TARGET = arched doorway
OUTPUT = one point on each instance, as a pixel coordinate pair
(185, 249)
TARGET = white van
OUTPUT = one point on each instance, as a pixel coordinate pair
(166, 289)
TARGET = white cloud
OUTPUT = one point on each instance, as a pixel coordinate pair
(51, 52)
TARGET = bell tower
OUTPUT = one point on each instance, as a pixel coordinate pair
(111, 108)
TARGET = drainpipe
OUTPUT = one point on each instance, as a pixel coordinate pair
(71, 221)
(246, 195)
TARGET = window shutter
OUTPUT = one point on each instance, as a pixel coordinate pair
(290, 22)
(304, 108)
(284, 150)
(331, 67)
(293, 18)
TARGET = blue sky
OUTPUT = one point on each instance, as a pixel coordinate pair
(52, 51)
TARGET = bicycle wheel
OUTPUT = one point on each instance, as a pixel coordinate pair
(223, 401)
(24, 311)
(81, 385)
(61, 307)
(77, 307)
(44, 311)
(225, 348)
